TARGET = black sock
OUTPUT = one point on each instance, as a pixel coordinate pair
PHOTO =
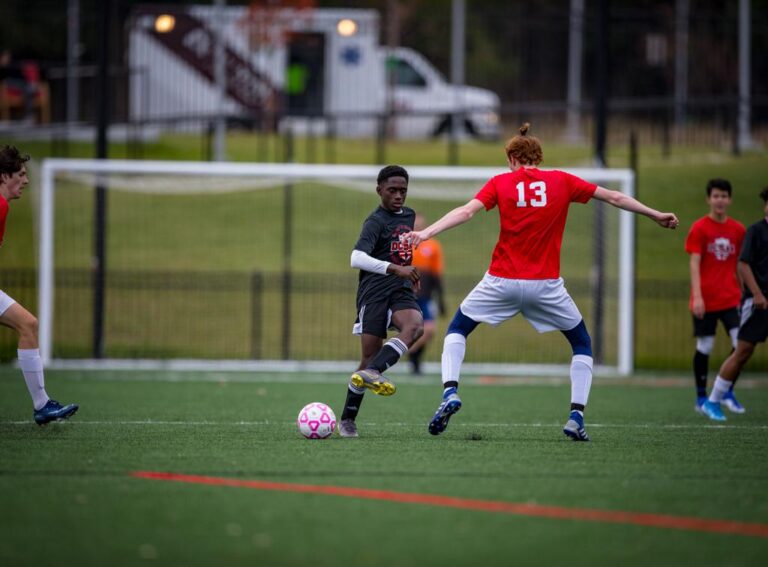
(352, 405)
(577, 407)
(451, 384)
(389, 354)
(700, 371)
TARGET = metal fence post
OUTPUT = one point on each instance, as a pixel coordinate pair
(256, 311)
(287, 250)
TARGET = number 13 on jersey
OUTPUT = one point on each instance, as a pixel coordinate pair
(539, 199)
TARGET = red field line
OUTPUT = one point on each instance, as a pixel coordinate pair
(534, 510)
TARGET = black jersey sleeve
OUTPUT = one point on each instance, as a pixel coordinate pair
(369, 235)
(748, 246)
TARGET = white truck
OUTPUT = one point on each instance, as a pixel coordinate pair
(310, 69)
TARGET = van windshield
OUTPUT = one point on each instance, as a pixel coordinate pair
(404, 74)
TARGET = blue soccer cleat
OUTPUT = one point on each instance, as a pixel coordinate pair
(574, 428)
(700, 402)
(733, 405)
(713, 411)
(450, 405)
(54, 411)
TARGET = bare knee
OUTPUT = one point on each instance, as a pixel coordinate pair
(28, 329)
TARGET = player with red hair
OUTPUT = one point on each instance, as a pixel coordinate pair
(524, 275)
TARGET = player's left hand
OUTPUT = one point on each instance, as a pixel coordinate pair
(668, 220)
(415, 238)
(406, 272)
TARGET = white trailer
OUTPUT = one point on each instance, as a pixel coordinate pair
(316, 68)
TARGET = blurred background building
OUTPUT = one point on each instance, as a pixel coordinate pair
(683, 71)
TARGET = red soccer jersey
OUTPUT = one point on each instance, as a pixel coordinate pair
(719, 245)
(3, 216)
(533, 208)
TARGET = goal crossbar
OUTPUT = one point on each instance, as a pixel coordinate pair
(624, 178)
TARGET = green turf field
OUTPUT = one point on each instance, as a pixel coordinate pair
(68, 498)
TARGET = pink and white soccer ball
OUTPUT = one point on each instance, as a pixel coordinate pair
(316, 421)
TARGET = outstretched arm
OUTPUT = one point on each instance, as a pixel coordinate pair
(622, 201)
(453, 218)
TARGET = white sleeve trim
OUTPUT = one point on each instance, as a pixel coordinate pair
(362, 261)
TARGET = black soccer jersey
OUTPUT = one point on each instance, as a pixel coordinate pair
(754, 252)
(380, 239)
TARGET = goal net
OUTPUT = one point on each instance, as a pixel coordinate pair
(224, 265)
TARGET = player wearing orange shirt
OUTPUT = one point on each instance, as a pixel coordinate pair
(524, 275)
(428, 259)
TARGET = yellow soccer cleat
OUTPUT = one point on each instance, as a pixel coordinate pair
(374, 381)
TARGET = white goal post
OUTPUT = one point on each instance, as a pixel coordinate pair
(622, 179)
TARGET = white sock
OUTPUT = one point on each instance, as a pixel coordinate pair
(581, 378)
(719, 389)
(454, 347)
(32, 367)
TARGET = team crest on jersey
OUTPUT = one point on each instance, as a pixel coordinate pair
(721, 248)
(401, 252)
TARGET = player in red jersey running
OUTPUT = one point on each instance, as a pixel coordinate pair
(714, 243)
(524, 275)
(13, 179)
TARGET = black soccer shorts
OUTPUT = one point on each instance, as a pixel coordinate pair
(375, 317)
(754, 323)
(707, 326)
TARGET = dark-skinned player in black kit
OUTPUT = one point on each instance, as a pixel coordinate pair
(385, 294)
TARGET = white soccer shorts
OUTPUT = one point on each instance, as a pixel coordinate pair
(5, 301)
(544, 303)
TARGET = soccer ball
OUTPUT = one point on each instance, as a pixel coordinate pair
(316, 421)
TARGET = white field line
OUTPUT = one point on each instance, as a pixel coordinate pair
(151, 422)
(426, 380)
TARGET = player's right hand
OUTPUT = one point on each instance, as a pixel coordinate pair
(698, 308)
